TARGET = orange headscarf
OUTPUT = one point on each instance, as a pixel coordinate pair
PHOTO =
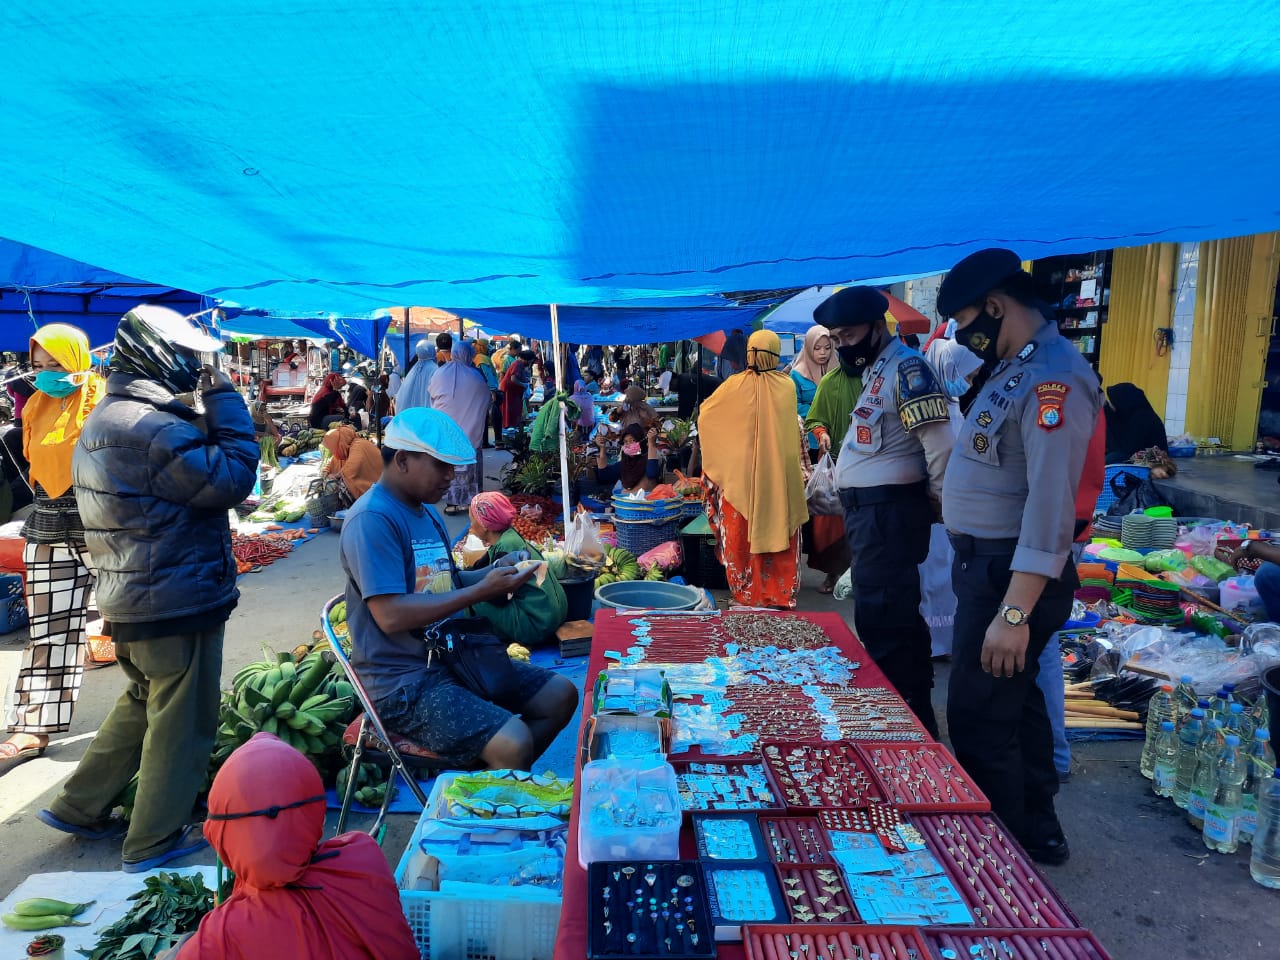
(355, 459)
(295, 898)
(51, 425)
(751, 447)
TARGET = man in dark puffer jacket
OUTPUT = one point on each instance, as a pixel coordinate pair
(154, 486)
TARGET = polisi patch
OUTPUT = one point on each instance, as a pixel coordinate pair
(1050, 398)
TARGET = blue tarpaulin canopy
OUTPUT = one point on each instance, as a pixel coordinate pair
(310, 158)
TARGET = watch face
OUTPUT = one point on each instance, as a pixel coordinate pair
(1014, 617)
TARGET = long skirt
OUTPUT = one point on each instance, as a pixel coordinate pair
(59, 577)
(755, 579)
(467, 482)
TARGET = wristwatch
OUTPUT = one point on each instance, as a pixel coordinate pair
(1013, 616)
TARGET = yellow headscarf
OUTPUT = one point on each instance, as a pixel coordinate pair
(751, 446)
(482, 354)
(51, 425)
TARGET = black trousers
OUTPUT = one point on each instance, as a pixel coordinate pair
(888, 531)
(998, 725)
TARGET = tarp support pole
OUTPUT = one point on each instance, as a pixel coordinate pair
(564, 433)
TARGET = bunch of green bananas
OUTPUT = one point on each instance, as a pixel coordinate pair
(306, 704)
(371, 784)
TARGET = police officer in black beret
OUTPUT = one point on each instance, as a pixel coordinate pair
(1009, 507)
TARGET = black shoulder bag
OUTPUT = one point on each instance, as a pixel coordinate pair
(474, 654)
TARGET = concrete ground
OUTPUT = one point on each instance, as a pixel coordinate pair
(1229, 487)
(1138, 876)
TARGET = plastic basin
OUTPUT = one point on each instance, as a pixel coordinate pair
(648, 595)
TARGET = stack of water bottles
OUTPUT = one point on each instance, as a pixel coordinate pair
(1214, 758)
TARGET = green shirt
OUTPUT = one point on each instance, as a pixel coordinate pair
(833, 405)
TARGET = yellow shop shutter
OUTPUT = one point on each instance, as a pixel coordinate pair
(1142, 281)
(1233, 318)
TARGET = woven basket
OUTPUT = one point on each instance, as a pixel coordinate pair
(628, 508)
(638, 537)
(324, 498)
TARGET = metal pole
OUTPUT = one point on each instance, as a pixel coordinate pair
(564, 439)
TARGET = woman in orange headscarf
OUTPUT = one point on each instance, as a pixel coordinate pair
(295, 898)
(357, 461)
(59, 571)
(751, 451)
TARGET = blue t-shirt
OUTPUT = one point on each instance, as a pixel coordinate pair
(806, 389)
(389, 548)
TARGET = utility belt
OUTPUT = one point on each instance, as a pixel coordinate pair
(851, 498)
(966, 546)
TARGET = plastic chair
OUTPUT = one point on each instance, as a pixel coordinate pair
(369, 734)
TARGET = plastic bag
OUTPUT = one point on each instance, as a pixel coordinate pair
(1165, 561)
(1134, 493)
(582, 537)
(844, 586)
(821, 491)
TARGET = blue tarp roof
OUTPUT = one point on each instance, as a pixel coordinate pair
(341, 158)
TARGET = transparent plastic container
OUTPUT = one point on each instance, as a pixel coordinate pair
(629, 810)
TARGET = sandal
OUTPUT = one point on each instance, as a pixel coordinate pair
(108, 828)
(11, 755)
(186, 841)
(828, 586)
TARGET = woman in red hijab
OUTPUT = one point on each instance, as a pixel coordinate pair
(328, 405)
(295, 898)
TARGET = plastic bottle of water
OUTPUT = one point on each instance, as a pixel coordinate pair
(1264, 860)
(1238, 723)
(1218, 704)
(1165, 770)
(1202, 784)
(1159, 710)
(1259, 766)
(1222, 811)
(1189, 738)
(1184, 699)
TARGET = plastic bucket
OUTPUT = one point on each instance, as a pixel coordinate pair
(648, 595)
(580, 595)
(1271, 684)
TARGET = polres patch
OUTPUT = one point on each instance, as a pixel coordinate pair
(1051, 398)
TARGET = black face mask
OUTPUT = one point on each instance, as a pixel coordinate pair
(981, 334)
(854, 359)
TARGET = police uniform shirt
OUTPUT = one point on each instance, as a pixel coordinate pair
(1019, 454)
(900, 430)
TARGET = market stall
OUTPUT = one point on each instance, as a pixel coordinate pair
(785, 843)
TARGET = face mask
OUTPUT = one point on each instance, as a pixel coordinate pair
(56, 384)
(980, 335)
(956, 388)
(631, 449)
(854, 359)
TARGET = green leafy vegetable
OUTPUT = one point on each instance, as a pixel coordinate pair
(168, 906)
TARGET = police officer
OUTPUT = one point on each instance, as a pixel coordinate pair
(890, 477)
(1009, 507)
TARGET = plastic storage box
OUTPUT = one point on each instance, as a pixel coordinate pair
(630, 810)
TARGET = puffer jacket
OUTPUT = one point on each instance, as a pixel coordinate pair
(154, 490)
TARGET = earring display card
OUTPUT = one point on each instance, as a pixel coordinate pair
(922, 778)
(836, 941)
(726, 785)
(740, 893)
(964, 944)
(645, 911)
(992, 872)
(813, 775)
(795, 840)
(727, 837)
(817, 895)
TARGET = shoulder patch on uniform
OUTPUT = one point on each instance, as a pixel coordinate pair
(1051, 397)
(863, 413)
(874, 401)
(1025, 353)
(1013, 382)
(920, 397)
(876, 385)
(984, 418)
(981, 442)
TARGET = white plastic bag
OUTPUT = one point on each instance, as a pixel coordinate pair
(582, 537)
(821, 492)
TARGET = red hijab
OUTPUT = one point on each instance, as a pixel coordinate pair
(307, 902)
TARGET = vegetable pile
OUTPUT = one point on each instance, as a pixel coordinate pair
(371, 784)
(619, 564)
(41, 913)
(255, 550)
(305, 439)
(168, 906)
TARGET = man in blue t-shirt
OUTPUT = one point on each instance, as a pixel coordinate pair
(395, 553)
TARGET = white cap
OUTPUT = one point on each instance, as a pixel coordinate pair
(423, 430)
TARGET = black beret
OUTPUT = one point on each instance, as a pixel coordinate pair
(851, 307)
(974, 277)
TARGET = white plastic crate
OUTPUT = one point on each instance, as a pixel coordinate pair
(508, 924)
